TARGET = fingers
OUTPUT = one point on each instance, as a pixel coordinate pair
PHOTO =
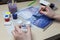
(42, 8)
(48, 8)
(18, 29)
(43, 12)
(28, 28)
(45, 7)
(13, 33)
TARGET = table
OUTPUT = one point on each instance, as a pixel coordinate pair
(37, 33)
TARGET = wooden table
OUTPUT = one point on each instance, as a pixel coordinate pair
(37, 33)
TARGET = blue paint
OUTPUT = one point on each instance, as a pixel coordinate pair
(6, 15)
(14, 16)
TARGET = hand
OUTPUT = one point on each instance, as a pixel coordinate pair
(20, 35)
(48, 12)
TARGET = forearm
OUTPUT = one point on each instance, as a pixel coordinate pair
(57, 17)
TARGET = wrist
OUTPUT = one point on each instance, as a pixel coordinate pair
(55, 15)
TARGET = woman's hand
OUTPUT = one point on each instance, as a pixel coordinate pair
(20, 35)
(48, 11)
